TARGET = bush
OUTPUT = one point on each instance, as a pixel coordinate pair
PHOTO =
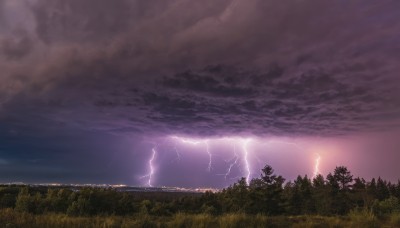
(363, 218)
(386, 206)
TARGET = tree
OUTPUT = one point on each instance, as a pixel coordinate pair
(321, 197)
(79, 207)
(240, 192)
(268, 175)
(318, 181)
(343, 177)
(360, 192)
(371, 194)
(382, 190)
(23, 203)
(304, 187)
(386, 206)
(340, 184)
(272, 202)
(7, 201)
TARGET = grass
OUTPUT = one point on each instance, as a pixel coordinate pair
(10, 218)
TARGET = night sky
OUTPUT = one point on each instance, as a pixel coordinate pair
(205, 92)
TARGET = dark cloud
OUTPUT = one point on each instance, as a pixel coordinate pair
(216, 67)
(87, 86)
(207, 84)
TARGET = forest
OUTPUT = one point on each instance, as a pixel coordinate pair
(337, 200)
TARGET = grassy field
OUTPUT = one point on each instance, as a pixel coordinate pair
(11, 218)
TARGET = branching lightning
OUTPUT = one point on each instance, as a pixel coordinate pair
(236, 158)
(151, 168)
(242, 160)
(197, 142)
(245, 158)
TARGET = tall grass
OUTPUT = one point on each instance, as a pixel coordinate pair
(395, 219)
(361, 218)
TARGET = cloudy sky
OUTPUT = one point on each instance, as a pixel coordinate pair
(90, 89)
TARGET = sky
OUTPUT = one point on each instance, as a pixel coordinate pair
(197, 93)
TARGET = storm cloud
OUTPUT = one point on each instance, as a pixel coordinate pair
(201, 68)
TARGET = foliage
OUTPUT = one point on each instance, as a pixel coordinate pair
(269, 195)
(11, 218)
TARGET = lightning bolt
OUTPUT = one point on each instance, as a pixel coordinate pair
(151, 168)
(245, 158)
(178, 155)
(243, 154)
(316, 166)
(236, 157)
(209, 155)
(195, 143)
(317, 160)
(188, 141)
(287, 143)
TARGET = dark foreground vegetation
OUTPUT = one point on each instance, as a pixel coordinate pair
(339, 200)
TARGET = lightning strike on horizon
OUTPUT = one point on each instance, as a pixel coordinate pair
(317, 160)
(245, 158)
(236, 157)
(316, 166)
(151, 167)
(244, 142)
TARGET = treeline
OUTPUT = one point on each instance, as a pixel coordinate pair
(336, 194)
(89, 201)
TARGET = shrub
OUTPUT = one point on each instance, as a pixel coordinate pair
(363, 218)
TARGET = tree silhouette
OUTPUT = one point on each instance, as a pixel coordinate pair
(343, 177)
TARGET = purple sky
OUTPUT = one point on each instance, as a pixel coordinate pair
(89, 88)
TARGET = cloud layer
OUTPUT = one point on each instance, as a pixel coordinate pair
(211, 68)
